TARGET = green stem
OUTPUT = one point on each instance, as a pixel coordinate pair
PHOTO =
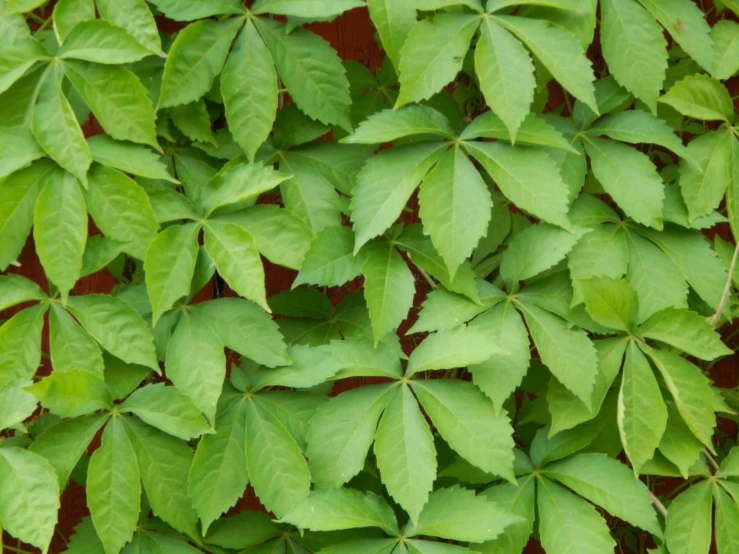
(714, 319)
(711, 461)
(658, 504)
(14, 549)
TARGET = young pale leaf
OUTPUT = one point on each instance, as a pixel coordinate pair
(30, 496)
(701, 97)
(642, 414)
(311, 70)
(634, 48)
(726, 44)
(389, 125)
(271, 451)
(166, 408)
(169, 266)
(232, 250)
(344, 508)
(135, 17)
(686, 330)
(20, 345)
(406, 456)
(195, 59)
(569, 524)
(128, 158)
(458, 347)
(117, 327)
(330, 260)
(342, 431)
(506, 75)
(467, 420)
(386, 183)
(611, 302)
(433, 54)
(60, 230)
(117, 98)
(249, 89)
(394, 21)
(456, 513)
(114, 488)
(72, 393)
(703, 184)
(99, 41)
(455, 207)
(688, 529)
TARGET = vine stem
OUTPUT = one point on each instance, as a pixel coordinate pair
(711, 461)
(713, 320)
(423, 273)
(658, 504)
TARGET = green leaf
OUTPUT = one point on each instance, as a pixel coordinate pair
(116, 326)
(559, 51)
(566, 351)
(468, 422)
(704, 183)
(311, 366)
(102, 42)
(534, 130)
(506, 75)
(455, 207)
(630, 178)
(528, 177)
(232, 250)
(20, 345)
(13, 26)
(406, 456)
(688, 528)
(167, 409)
(456, 513)
(330, 260)
(193, 121)
(389, 287)
(16, 405)
(687, 331)
(218, 475)
(337, 509)
(601, 252)
(245, 328)
(128, 158)
(433, 54)
(169, 266)
(114, 488)
(245, 529)
(249, 88)
(311, 71)
(727, 519)
(458, 347)
(68, 14)
(691, 391)
(634, 48)
(389, 125)
(642, 414)
(17, 57)
(185, 10)
(15, 289)
(72, 392)
(30, 496)
(277, 469)
(19, 149)
(18, 194)
(679, 445)
(305, 8)
(117, 98)
(55, 127)
(686, 24)
(725, 36)
(730, 464)
(569, 524)
(121, 209)
(195, 59)
(611, 302)
(394, 21)
(133, 16)
(342, 431)
(60, 230)
(239, 183)
(700, 97)
(386, 183)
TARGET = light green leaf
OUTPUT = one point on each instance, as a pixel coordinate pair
(16, 405)
(458, 347)
(60, 230)
(195, 59)
(100, 252)
(185, 10)
(56, 129)
(569, 524)
(506, 75)
(239, 183)
(245, 529)
(30, 496)
(559, 51)
(135, 17)
(17, 57)
(20, 345)
(601, 252)
(386, 183)
(330, 260)
(688, 528)
(196, 363)
(534, 130)
(218, 476)
(121, 209)
(406, 456)
(128, 158)
(638, 127)
(19, 149)
(169, 266)
(68, 14)
(394, 21)
(433, 54)
(679, 445)
(467, 420)
(528, 177)
(116, 326)
(566, 351)
(311, 71)
(342, 431)
(15, 289)
(193, 121)
(117, 98)
(730, 464)
(72, 393)
(360, 358)
(610, 302)
(455, 207)
(727, 520)
(700, 97)
(305, 8)
(703, 184)
(277, 469)
(687, 331)
(13, 26)
(520, 501)
(725, 36)
(456, 513)
(311, 366)
(634, 48)
(114, 488)
(389, 287)
(100, 41)
(344, 508)
(389, 125)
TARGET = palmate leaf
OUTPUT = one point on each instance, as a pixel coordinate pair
(394, 21)
(688, 527)
(330, 260)
(703, 185)
(128, 158)
(17, 58)
(389, 125)
(701, 97)
(611, 302)
(725, 36)
(533, 131)
(687, 331)
(520, 500)
(72, 393)
(19, 148)
(99, 41)
(20, 345)
(135, 17)
(727, 518)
